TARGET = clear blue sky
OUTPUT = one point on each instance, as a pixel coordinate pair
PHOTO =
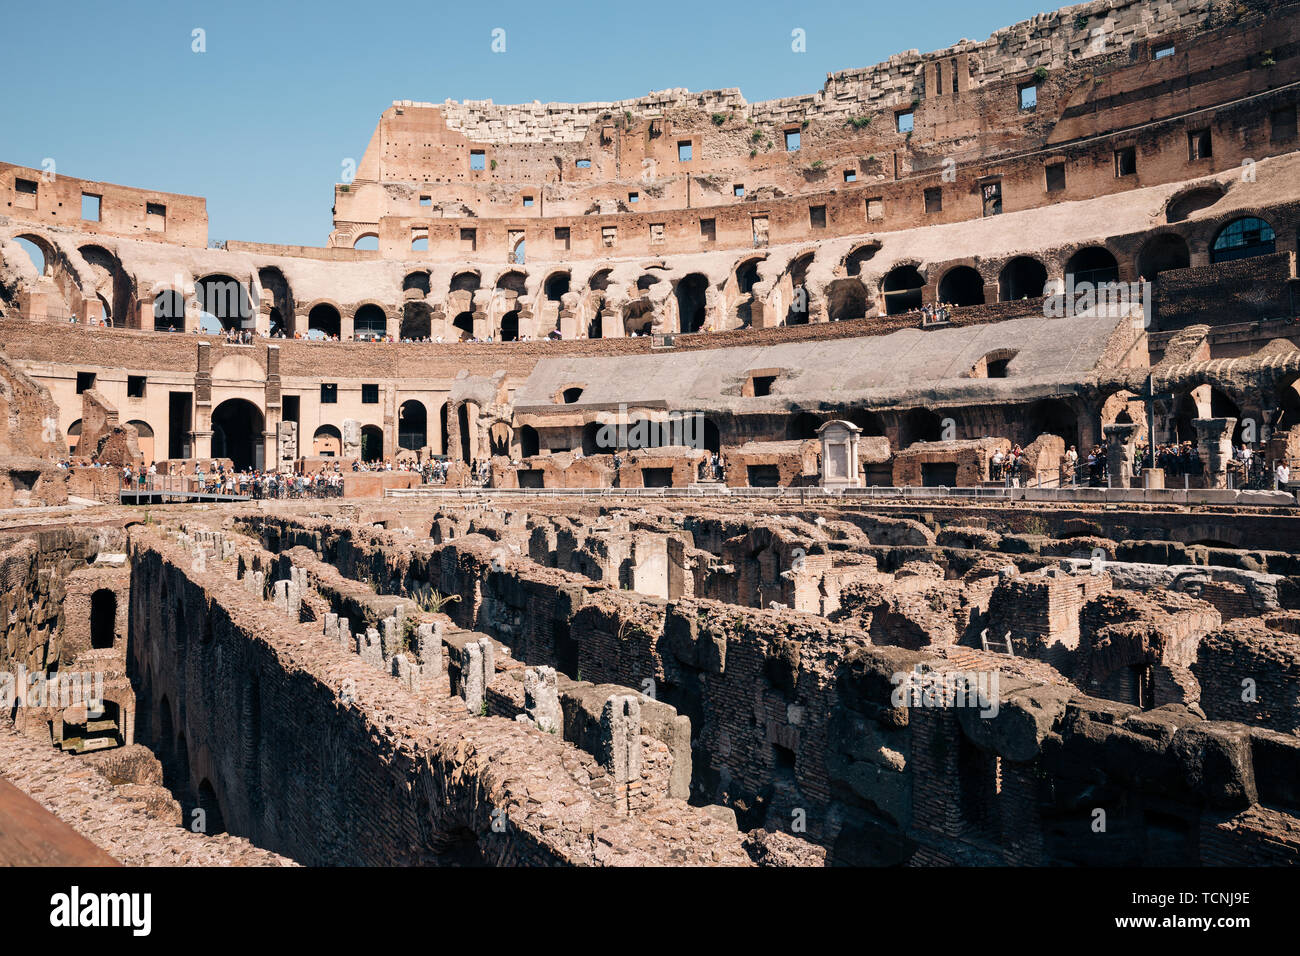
(261, 123)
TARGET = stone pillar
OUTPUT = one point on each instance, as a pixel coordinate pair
(428, 645)
(482, 327)
(542, 698)
(611, 324)
(1119, 453)
(619, 750)
(347, 325)
(1214, 442)
(471, 677)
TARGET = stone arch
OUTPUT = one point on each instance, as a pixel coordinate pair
(1184, 203)
(857, 256)
(962, 285)
(512, 280)
(529, 444)
(846, 299)
(372, 443)
(370, 321)
(112, 284)
(903, 288)
(464, 324)
(417, 281)
(282, 309)
(1162, 252)
(327, 442)
(1243, 238)
(325, 320)
(1094, 264)
(557, 285)
(412, 425)
(800, 297)
(168, 311)
(746, 273)
(691, 292)
(920, 424)
(224, 303)
(417, 321)
(1024, 277)
(467, 280)
(44, 247)
(237, 433)
(365, 237)
(144, 439)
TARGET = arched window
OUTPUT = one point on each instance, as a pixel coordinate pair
(1242, 239)
(902, 290)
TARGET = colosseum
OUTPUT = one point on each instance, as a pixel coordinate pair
(899, 474)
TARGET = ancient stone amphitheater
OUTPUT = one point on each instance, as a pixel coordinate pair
(664, 521)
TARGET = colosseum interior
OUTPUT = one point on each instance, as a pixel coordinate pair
(628, 483)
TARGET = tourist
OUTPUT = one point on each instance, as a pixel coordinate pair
(1281, 476)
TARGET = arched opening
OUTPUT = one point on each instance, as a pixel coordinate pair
(499, 439)
(962, 286)
(418, 281)
(465, 282)
(272, 280)
(638, 318)
(113, 286)
(372, 443)
(712, 437)
(513, 281)
(1221, 406)
(1051, 416)
(557, 286)
(367, 241)
(691, 294)
(144, 439)
(571, 394)
(854, 260)
(921, 424)
(369, 323)
(747, 275)
(412, 425)
(1180, 207)
(323, 320)
(442, 429)
(223, 304)
(519, 251)
(1022, 278)
(464, 324)
(804, 426)
(1242, 239)
(902, 289)
(462, 419)
(37, 251)
(417, 321)
(1288, 406)
(103, 619)
(1092, 264)
(871, 424)
(169, 311)
(800, 305)
(237, 427)
(528, 441)
(591, 444)
(1164, 252)
(510, 326)
(846, 299)
(327, 442)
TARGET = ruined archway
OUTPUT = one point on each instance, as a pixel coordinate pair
(691, 293)
(372, 443)
(103, 618)
(1092, 264)
(324, 321)
(902, 289)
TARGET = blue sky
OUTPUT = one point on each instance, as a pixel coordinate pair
(262, 121)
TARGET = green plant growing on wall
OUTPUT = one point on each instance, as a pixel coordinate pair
(756, 136)
(858, 122)
(719, 118)
(1081, 21)
(494, 164)
(1040, 74)
(431, 599)
(816, 164)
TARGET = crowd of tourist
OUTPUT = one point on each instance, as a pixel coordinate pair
(1008, 467)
